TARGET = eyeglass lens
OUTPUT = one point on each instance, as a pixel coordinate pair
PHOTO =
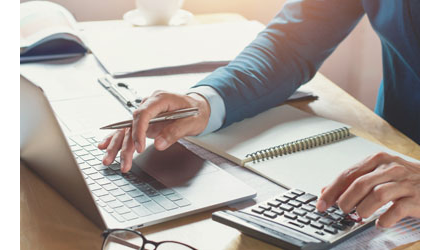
(123, 240)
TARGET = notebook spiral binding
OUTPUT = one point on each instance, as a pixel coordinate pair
(299, 145)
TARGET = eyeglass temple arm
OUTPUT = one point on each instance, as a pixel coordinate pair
(123, 242)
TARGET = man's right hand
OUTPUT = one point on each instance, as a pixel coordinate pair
(164, 133)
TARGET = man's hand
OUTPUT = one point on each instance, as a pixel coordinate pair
(164, 133)
(374, 182)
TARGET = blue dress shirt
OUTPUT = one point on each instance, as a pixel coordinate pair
(293, 46)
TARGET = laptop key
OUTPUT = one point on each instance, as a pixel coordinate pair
(164, 202)
(131, 203)
(90, 147)
(94, 162)
(121, 182)
(143, 198)
(153, 207)
(80, 141)
(96, 152)
(96, 176)
(115, 204)
(107, 198)
(87, 157)
(135, 193)
(130, 216)
(107, 172)
(182, 203)
(93, 186)
(89, 171)
(114, 177)
(174, 197)
(89, 181)
(100, 192)
(141, 211)
(81, 152)
(75, 148)
(100, 167)
(128, 188)
(115, 167)
(103, 181)
(118, 217)
(122, 210)
(123, 197)
(108, 209)
(117, 192)
(166, 191)
(109, 186)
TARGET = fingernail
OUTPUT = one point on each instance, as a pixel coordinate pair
(321, 205)
(137, 146)
(161, 143)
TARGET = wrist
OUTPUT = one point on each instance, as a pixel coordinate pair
(204, 108)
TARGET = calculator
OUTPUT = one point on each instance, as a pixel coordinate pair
(291, 221)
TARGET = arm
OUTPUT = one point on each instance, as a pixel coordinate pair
(282, 57)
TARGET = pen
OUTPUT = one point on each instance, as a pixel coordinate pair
(167, 116)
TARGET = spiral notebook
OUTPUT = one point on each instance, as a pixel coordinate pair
(291, 147)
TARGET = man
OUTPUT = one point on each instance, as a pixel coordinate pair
(285, 55)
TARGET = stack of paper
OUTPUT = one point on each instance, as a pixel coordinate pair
(124, 49)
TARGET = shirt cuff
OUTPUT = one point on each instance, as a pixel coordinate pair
(218, 110)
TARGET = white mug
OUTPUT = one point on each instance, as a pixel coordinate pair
(158, 12)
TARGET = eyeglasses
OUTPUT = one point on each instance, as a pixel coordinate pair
(125, 239)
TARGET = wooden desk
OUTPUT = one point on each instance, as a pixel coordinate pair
(49, 222)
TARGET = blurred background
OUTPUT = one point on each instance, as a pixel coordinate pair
(355, 66)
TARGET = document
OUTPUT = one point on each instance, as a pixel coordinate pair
(123, 49)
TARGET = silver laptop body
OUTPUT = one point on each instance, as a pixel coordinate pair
(161, 185)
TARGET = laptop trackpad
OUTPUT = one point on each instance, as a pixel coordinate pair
(174, 167)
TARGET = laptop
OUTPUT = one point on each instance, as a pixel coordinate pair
(161, 186)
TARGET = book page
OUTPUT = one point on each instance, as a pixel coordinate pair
(271, 128)
(40, 19)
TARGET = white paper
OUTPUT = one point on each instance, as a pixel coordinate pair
(126, 49)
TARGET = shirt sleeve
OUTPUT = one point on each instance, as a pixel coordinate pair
(218, 111)
(285, 55)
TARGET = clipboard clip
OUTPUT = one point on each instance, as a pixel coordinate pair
(123, 93)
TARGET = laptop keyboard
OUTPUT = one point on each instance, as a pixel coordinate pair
(125, 196)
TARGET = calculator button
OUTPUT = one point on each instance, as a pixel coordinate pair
(335, 217)
(282, 199)
(316, 225)
(274, 203)
(325, 221)
(297, 192)
(347, 222)
(299, 212)
(290, 195)
(319, 232)
(258, 210)
(277, 211)
(320, 213)
(330, 230)
(296, 224)
(339, 226)
(339, 212)
(331, 210)
(290, 216)
(312, 216)
(286, 207)
(264, 206)
(303, 220)
(306, 198)
(308, 208)
(294, 203)
(270, 214)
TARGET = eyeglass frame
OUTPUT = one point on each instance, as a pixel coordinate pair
(107, 232)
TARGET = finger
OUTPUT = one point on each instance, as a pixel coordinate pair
(363, 185)
(381, 195)
(154, 129)
(141, 118)
(113, 147)
(105, 142)
(399, 210)
(343, 181)
(127, 151)
(173, 132)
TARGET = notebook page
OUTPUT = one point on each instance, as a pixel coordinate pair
(312, 169)
(273, 127)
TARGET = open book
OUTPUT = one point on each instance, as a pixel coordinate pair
(291, 147)
(47, 31)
